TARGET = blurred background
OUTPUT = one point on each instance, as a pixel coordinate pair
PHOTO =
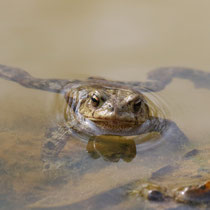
(108, 38)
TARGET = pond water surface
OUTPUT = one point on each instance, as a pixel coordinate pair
(118, 40)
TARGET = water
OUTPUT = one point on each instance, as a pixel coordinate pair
(75, 39)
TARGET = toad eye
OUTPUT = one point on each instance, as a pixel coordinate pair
(137, 105)
(95, 100)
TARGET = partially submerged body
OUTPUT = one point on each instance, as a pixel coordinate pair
(97, 107)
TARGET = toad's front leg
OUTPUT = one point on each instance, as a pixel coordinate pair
(54, 141)
(171, 135)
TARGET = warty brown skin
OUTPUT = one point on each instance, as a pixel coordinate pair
(106, 109)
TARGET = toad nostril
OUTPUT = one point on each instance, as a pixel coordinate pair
(123, 107)
(111, 108)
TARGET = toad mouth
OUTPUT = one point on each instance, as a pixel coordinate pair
(112, 121)
(114, 125)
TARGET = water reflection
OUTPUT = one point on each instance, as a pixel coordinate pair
(112, 148)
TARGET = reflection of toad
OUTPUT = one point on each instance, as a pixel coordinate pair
(112, 148)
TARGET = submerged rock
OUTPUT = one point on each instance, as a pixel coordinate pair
(195, 194)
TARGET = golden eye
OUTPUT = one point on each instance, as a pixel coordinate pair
(95, 100)
(137, 105)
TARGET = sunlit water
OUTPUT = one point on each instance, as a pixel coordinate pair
(74, 40)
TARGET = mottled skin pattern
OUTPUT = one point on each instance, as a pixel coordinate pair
(99, 107)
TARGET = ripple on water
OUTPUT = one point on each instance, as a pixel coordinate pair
(158, 105)
(159, 108)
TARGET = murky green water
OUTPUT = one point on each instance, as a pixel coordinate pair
(118, 40)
